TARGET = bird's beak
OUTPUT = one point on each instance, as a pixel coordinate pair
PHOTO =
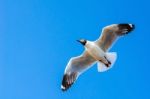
(78, 41)
(81, 41)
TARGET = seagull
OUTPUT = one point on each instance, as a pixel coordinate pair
(95, 52)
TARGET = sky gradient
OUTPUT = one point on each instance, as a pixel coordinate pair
(38, 37)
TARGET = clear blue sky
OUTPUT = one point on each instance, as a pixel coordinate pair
(38, 37)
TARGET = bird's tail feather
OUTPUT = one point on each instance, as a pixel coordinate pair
(112, 56)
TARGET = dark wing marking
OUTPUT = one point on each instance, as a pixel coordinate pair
(75, 67)
(111, 33)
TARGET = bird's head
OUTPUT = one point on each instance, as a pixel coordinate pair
(82, 41)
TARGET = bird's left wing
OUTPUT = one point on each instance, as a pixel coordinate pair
(111, 32)
(75, 67)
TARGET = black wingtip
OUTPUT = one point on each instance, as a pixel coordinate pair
(129, 27)
(63, 88)
(133, 26)
(68, 80)
(65, 83)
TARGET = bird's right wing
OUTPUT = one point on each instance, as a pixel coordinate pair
(75, 67)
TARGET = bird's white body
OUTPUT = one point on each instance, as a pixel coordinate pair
(100, 56)
(95, 51)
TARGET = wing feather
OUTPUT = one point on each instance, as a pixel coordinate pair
(111, 33)
(75, 67)
(79, 64)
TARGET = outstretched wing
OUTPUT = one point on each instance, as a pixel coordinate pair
(74, 68)
(111, 33)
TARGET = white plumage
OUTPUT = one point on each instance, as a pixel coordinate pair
(95, 52)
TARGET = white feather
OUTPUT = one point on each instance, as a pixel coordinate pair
(112, 56)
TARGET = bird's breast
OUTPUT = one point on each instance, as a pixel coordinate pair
(95, 51)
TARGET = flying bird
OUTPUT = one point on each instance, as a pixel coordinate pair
(95, 52)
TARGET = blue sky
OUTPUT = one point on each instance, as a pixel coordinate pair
(38, 37)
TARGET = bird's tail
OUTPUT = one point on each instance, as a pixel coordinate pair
(112, 56)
